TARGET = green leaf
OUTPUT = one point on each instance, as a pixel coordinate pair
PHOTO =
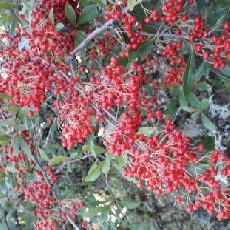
(106, 163)
(182, 100)
(130, 204)
(51, 16)
(80, 37)
(13, 108)
(133, 55)
(131, 4)
(207, 123)
(171, 109)
(7, 19)
(70, 14)
(99, 149)
(195, 116)
(142, 51)
(206, 68)
(224, 72)
(227, 84)
(189, 109)
(189, 71)
(101, 3)
(211, 15)
(145, 48)
(84, 2)
(94, 173)
(43, 155)
(74, 154)
(16, 145)
(22, 113)
(5, 96)
(124, 61)
(91, 147)
(194, 101)
(140, 13)
(6, 5)
(2, 176)
(88, 14)
(203, 70)
(57, 160)
(59, 26)
(203, 86)
(204, 104)
(223, 2)
(119, 163)
(209, 143)
(4, 139)
(25, 148)
(147, 131)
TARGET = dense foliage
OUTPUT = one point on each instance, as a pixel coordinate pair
(108, 106)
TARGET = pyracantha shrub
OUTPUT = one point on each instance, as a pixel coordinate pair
(116, 86)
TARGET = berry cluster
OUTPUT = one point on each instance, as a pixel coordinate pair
(32, 185)
(166, 162)
(74, 119)
(33, 70)
(117, 95)
(213, 48)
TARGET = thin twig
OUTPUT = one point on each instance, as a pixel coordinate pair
(88, 39)
(177, 113)
(48, 136)
(72, 161)
(92, 35)
(72, 222)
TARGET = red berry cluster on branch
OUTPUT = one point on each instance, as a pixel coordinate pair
(74, 122)
(166, 162)
(32, 71)
(32, 185)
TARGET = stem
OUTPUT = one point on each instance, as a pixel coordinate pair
(92, 35)
(88, 39)
(15, 216)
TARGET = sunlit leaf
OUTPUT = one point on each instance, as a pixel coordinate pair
(147, 131)
(94, 173)
(5, 96)
(131, 4)
(57, 160)
(106, 163)
(5, 5)
(59, 26)
(4, 139)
